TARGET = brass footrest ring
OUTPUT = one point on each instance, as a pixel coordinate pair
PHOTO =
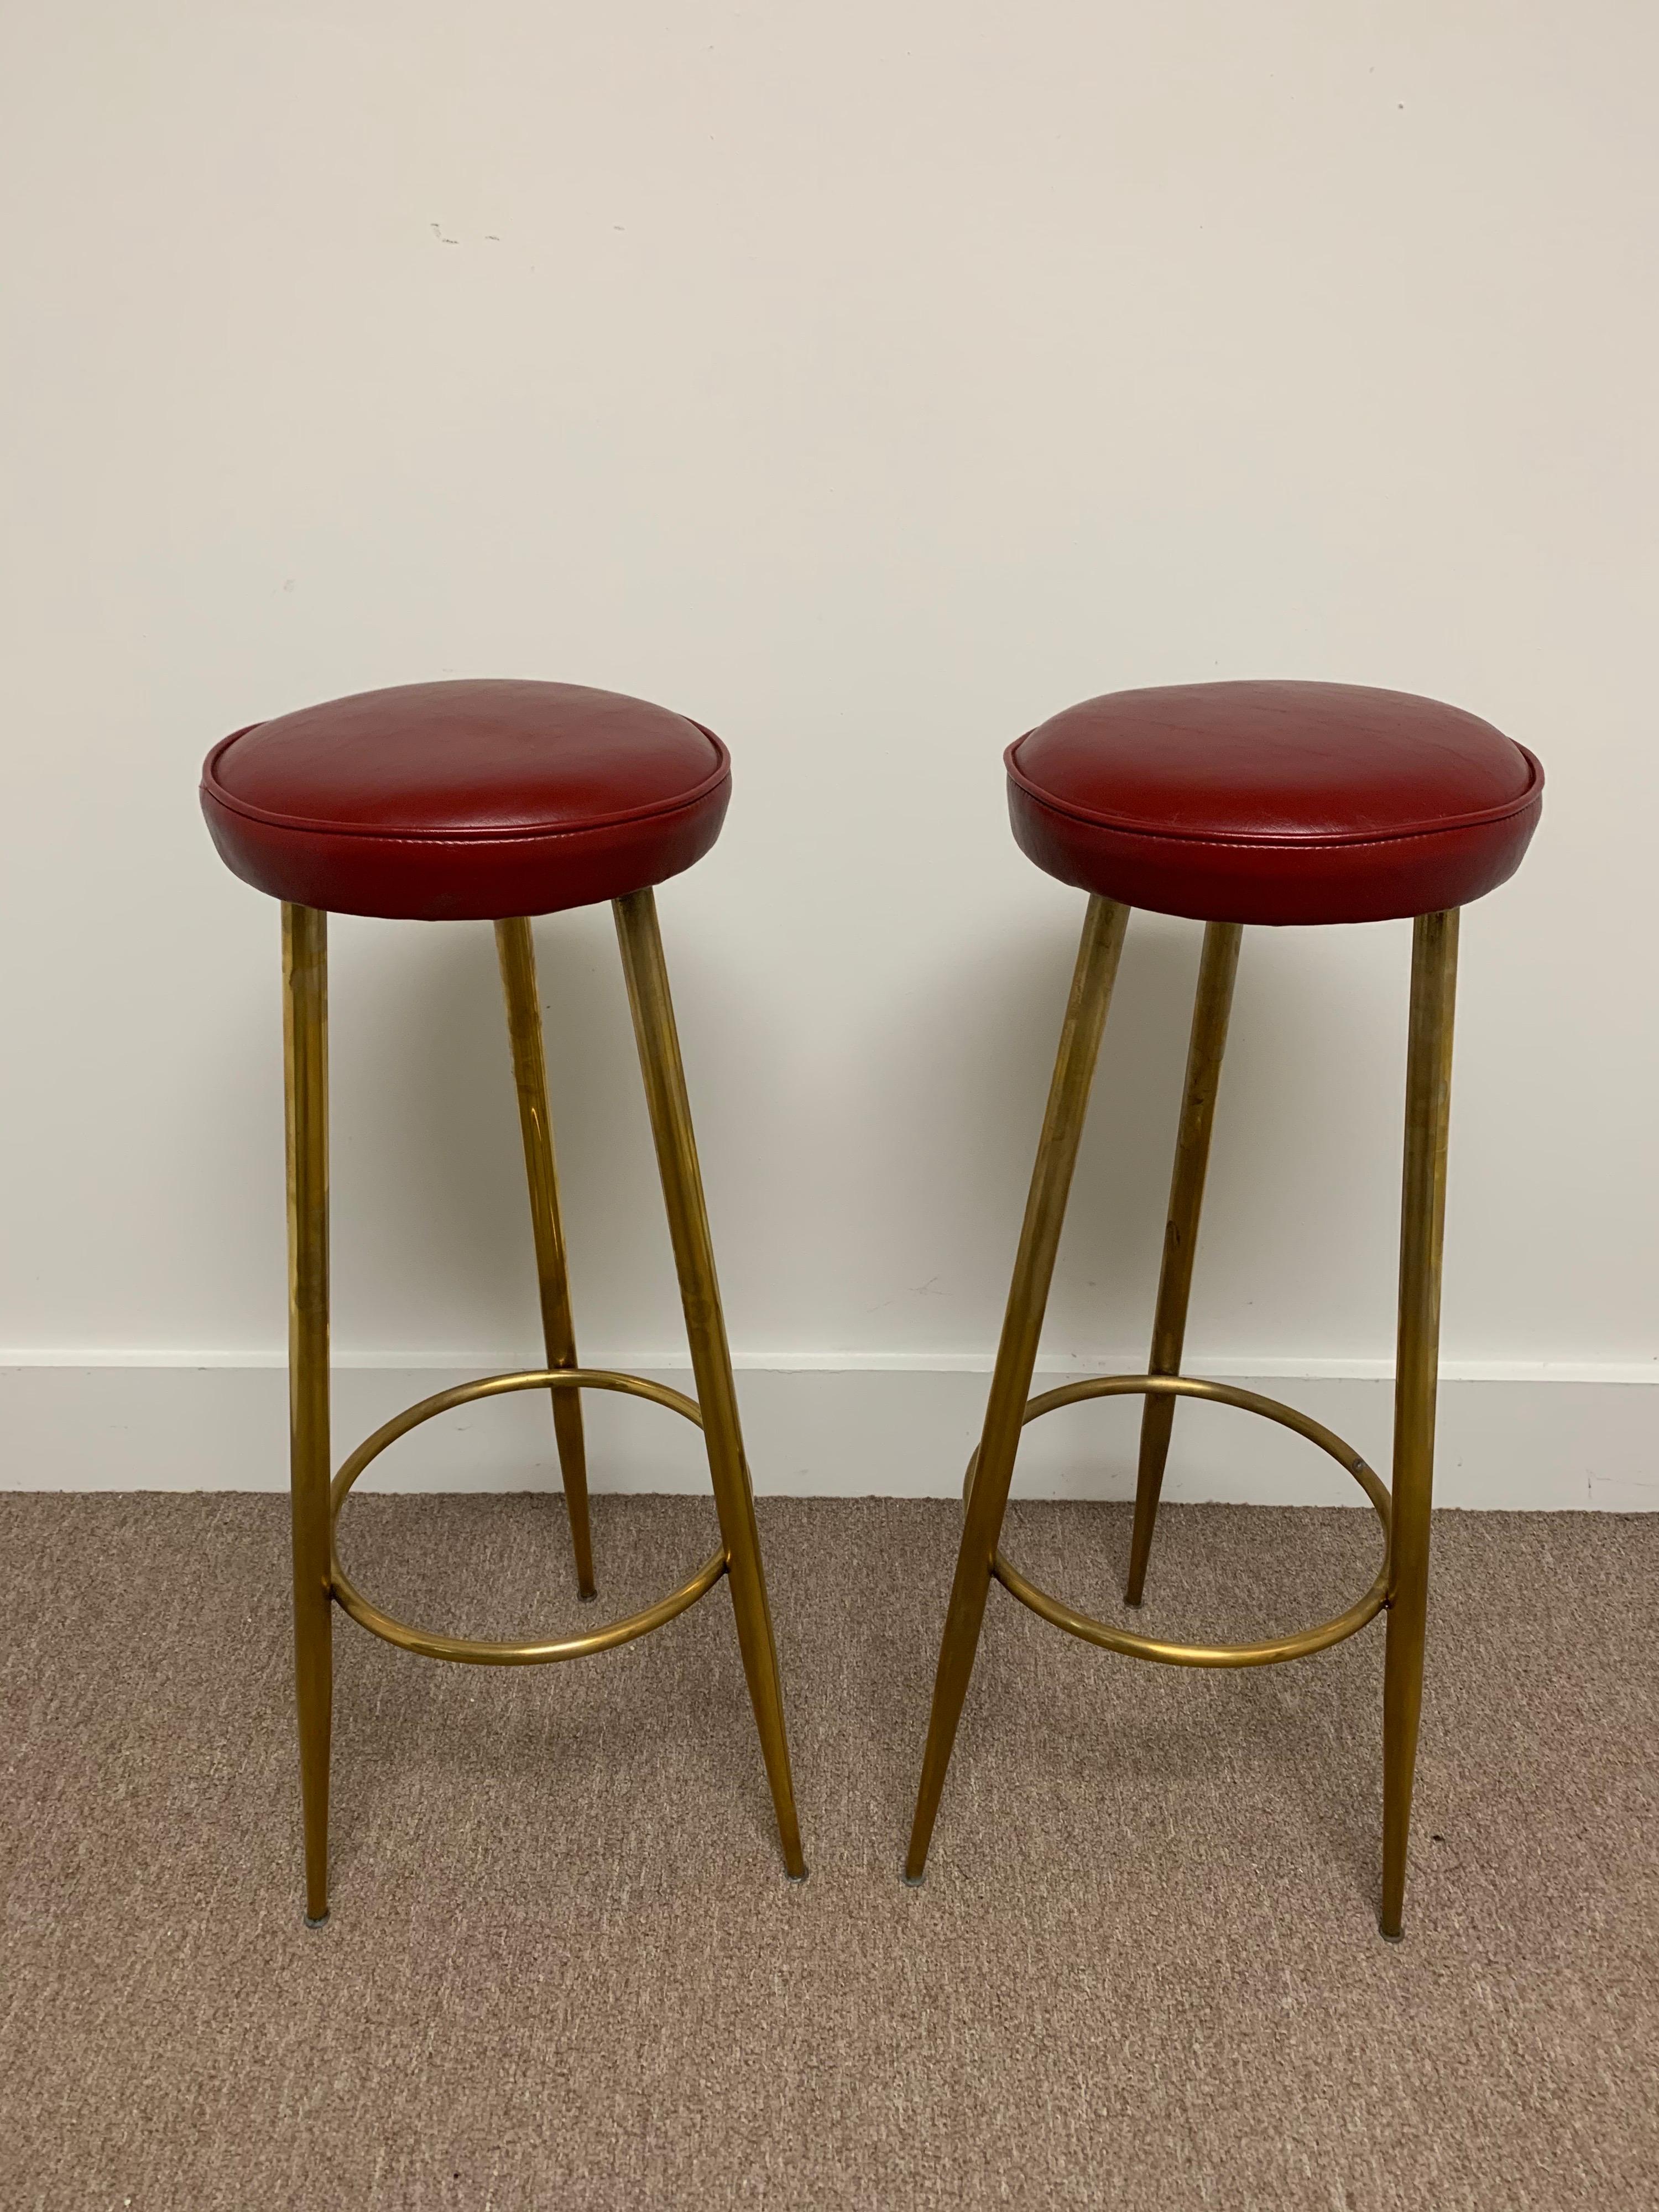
(1277, 1648)
(470, 1650)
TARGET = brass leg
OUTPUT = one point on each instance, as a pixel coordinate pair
(516, 949)
(705, 1325)
(1028, 1295)
(1422, 1222)
(305, 1038)
(1211, 1009)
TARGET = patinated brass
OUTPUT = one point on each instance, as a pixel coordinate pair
(516, 949)
(1402, 1584)
(1005, 1414)
(1275, 1649)
(532, 1652)
(1417, 1372)
(1211, 1009)
(319, 1576)
(305, 1059)
(705, 1324)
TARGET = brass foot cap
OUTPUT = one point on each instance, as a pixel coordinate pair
(321, 1921)
(1397, 1936)
(913, 1880)
(586, 1597)
(801, 1877)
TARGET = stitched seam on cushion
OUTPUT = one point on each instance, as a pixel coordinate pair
(1280, 843)
(296, 826)
(1270, 844)
(1287, 840)
(306, 826)
(289, 825)
(469, 842)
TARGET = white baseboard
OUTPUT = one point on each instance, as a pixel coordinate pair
(1545, 1438)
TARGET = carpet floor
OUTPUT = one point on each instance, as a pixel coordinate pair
(564, 1969)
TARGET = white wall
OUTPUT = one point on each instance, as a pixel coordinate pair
(868, 381)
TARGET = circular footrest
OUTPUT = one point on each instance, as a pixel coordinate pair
(1275, 1649)
(470, 1650)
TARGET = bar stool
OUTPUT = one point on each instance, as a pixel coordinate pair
(488, 801)
(1237, 802)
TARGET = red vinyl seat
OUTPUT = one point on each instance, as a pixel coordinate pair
(1274, 802)
(472, 800)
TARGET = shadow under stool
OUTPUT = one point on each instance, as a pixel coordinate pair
(488, 801)
(1234, 802)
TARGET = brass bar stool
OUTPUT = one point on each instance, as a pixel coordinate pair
(491, 801)
(1237, 802)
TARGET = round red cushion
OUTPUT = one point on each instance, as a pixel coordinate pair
(469, 800)
(1274, 802)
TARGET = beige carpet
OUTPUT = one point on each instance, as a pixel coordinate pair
(564, 1969)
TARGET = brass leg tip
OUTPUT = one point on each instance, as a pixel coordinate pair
(913, 1880)
(319, 1921)
(586, 1596)
(1390, 1934)
(801, 1877)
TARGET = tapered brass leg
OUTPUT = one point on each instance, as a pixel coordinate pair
(1028, 1295)
(1422, 1222)
(711, 1359)
(305, 1038)
(516, 949)
(1211, 1009)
